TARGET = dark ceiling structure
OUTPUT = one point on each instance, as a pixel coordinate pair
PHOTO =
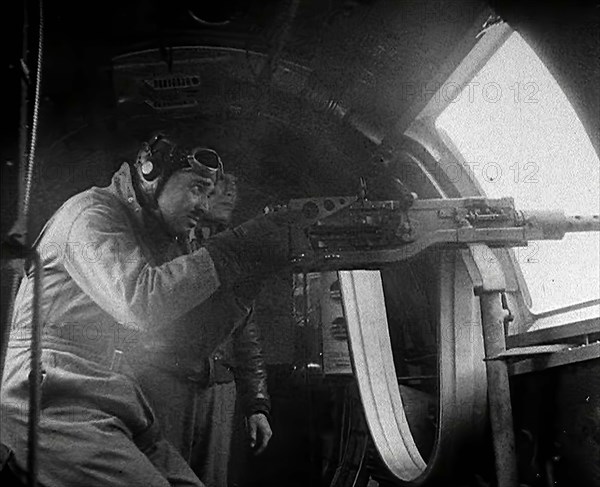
(301, 96)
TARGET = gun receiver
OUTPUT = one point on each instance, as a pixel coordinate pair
(353, 232)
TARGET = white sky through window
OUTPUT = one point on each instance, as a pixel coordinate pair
(520, 137)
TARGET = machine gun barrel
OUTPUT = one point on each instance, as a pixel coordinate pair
(352, 232)
(553, 225)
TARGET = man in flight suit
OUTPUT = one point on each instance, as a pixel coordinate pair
(118, 274)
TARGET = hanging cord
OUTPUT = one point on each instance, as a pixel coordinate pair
(16, 274)
(36, 109)
(17, 245)
(35, 377)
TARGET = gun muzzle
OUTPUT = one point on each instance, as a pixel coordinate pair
(553, 225)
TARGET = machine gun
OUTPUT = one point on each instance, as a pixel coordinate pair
(347, 233)
(354, 232)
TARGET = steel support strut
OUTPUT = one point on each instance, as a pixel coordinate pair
(489, 284)
(500, 409)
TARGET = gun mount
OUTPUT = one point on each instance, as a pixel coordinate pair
(353, 232)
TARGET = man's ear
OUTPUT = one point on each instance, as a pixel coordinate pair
(148, 168)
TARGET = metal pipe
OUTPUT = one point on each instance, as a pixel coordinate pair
(19, 240)
(35, 375)
(500, 408)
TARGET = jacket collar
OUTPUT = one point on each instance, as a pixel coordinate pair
(122, 187)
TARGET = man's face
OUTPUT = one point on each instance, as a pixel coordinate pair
(222, 200)
(184, 200)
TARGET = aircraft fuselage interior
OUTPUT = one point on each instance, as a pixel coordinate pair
(438, 320)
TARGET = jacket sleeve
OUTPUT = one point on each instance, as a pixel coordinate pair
(251, 372)
(107, 262)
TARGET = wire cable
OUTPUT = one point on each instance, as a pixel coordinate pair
(36, 107)
(36, 347)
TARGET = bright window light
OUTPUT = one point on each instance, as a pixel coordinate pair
(519, 136)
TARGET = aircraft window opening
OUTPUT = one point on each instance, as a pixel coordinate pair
(517, 135)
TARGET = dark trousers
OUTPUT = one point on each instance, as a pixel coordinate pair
(199, 421)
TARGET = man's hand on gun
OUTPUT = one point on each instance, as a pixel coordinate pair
(260, 246)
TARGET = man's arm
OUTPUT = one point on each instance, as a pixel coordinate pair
(251, 372)
(125, 283)
(251, 377)
(109, 265)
